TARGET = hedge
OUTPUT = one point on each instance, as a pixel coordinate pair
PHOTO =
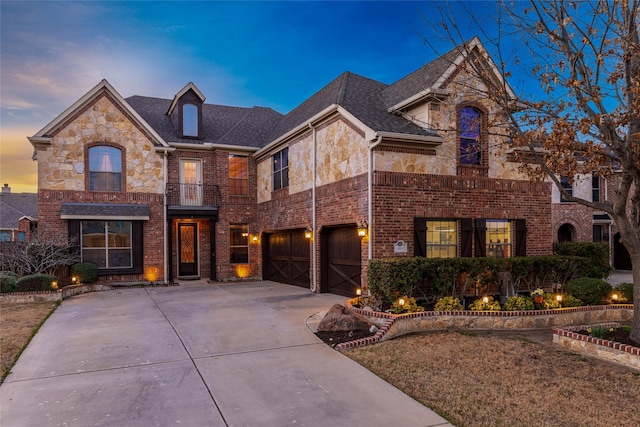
(418, 277)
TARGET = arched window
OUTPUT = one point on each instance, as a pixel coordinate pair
(105, 168)
(470, 143)
(189, 120)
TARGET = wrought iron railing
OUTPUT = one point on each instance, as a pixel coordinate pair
(181, 194)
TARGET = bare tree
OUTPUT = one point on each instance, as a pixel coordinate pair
(43, 255)
(585, 55)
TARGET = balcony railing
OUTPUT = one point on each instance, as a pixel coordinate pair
(181, 194)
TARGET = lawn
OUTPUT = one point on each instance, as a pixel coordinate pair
(472, 379)
(502, 379)
(18, 323)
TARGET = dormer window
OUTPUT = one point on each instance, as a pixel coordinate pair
(189, 120)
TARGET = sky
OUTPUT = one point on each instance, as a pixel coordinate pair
(241, 53)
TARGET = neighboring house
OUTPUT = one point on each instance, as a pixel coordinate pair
(575, 222)
(173, 189)
(18, 215)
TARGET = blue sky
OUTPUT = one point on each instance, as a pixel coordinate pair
(272, 54)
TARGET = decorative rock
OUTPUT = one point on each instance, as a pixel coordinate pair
(338, 318)
(373, 329)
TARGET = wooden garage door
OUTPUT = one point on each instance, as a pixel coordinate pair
(341, 261)
(286, 258)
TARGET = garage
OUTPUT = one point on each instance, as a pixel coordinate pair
(341, 260)
(286, 258)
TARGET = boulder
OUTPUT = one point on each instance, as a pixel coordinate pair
(338, 318)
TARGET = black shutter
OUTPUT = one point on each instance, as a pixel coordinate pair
(466, 237)
(521, 237)
(419, 236)
(73, 227)
(481, 237)
(137, 247)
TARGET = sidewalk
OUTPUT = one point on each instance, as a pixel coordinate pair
(196, 355)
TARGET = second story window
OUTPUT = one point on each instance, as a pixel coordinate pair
(189, 120)
(105, 168)
(238, 175)
(470, 143)
(281, 169)
(566, 184)
(595, 188)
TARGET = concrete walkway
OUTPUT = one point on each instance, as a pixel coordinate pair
(196, 355)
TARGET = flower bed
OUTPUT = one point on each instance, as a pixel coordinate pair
(611, 351)
(394, 325)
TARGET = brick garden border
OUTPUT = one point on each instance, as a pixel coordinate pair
(67, 292)
(611, 351)
(395, 325)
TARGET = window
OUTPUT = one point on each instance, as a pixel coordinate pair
(498, 238)
(470, 144)
(22, 236)
(105, 168)
(281, 169)
(595, 188)
(107, 243)
(5, 235)
(442, 239)
(238, 175)
(601, 233)
(189, 120)
(239, 244)
(566, 184)
(190, 182)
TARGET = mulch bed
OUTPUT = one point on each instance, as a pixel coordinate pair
(336, 337)
(617, 335)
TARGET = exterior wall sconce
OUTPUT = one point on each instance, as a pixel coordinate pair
(254, 238)
(308, 232)
(363, 228)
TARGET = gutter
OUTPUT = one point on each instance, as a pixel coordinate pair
(370, 192)
(211, 146)
(314, 258)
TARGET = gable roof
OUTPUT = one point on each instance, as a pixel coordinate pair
(189, 86)
(233, 126)
(14, 206)
(431, 79)
(44, 135)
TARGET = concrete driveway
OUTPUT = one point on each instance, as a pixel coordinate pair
(196, 355)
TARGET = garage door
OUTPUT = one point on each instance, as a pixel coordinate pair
(341, 261)
(286, 258)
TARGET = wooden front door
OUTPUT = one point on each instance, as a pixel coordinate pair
(187, 249)
(286, 258)
(341, 261)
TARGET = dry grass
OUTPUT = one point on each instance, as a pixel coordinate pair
(18, 323)
(487, 380)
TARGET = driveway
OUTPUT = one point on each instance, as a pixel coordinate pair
(196, 355)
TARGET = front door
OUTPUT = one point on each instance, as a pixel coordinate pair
(187, 249)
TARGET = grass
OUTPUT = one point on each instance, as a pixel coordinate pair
(484, 379)
(472, 379)
(18, 324)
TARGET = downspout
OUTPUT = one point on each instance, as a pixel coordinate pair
(370, 193)
(166, 247)
(314, 256)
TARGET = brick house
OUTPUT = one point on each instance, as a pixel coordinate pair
(173, 189)
(575, 222)
(18, 215)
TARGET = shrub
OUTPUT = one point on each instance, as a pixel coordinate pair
(517, 303)
(626, 292)
(570, 301)
(389, 278)
(86, 272)
(480, 305)
(550, 301)
(590, 291)
(36, 282)
(598, 254)
(448, 304)
(408, 305)
(8, 281)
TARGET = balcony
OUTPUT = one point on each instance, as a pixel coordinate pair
(204, 196)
